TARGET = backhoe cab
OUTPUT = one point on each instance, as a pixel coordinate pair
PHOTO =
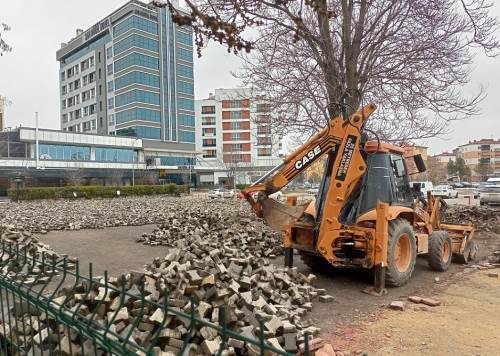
(365, 213)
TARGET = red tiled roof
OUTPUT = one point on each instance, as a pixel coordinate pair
(483, 141)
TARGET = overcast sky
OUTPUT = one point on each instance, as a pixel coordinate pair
(29, 74)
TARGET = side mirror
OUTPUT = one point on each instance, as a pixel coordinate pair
(419, 162)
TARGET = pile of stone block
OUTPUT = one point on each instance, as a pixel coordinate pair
(202, 279)
(237, 229)
(482, 217)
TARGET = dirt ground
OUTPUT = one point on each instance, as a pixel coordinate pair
(465, 316)
(465, 324)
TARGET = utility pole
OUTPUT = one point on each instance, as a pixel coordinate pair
(37, 152)
(8, 141)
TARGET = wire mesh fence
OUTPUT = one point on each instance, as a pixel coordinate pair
(49, 307)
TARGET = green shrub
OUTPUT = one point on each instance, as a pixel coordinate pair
(93, 191)
(242, 186)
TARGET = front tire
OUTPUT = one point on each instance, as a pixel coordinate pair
(440, 251)
(401, 253)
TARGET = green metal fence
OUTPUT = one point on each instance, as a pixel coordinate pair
(48, 307)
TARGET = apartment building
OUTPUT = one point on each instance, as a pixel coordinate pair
(234, 136)
(444, 157)
(483, 150)
(131, 74)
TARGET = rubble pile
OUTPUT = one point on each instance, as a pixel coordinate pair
(45, 215)
(249, 287)
(228, 226)
(483, 218)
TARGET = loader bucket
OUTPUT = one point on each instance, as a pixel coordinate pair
(278, 215)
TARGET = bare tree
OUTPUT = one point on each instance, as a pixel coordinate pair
(4, 47)
(411, 57)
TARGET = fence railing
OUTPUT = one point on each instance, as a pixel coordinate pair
(48, 307)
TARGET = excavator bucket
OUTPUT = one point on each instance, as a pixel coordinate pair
(278, 215)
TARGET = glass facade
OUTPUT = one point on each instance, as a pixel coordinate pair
(115, 155)
(174, 161)
(98, 42)
(186, 38)
(135, 22)
(138, 114)
(137, 96)
(185, 87)
(140, 131)
(137, 77)
(184, 71)
(136, 40)
(186, 136)
(137, 59)
(64, 152)
(186, 104)
(186, 120)
(184, 54)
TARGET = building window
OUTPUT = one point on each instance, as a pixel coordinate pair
(94, 124)
(115, 155)
(184, 38)
(85, 80)
(136, 40)
(109, 52)
(263, 140)
(63, 75)
(137, 95)
(184, 54)
(92, 93)
(185, 87)
(64, 89)
(184, 71)
(238, 125)
(111, 119)
(111, 103)
(237, 136)
(110, 69)
(65, 118)
(186, 120)
(136, 77)
(140, 131)
(209, 153)
(136, 59)
(135, 22)
(186, 104)
(138, 114)
(208, 132)
(210, 142)
(208, 121)
(264, 152)
(263, 108)
(86, 111)
(78, 114)
(208, 109)
(63, 103)
(91, 61)
(64, 152)
(91, 77)
(111, 86)
(186, 136)
(92, 109)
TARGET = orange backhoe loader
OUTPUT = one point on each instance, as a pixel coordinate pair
(365, 213)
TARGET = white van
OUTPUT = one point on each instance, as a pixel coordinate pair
(423, 187)
(490, 192)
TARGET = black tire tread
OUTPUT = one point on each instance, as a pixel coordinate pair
(393, 277)
(436, 241)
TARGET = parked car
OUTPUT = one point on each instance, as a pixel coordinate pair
(220, 193)
(313, 191)
(422, 187)
(490, 193)
(445, 191)
(478, 190)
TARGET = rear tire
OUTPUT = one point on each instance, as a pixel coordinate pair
(401, 253)
(440, 251)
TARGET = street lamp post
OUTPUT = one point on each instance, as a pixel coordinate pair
(8, 141)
